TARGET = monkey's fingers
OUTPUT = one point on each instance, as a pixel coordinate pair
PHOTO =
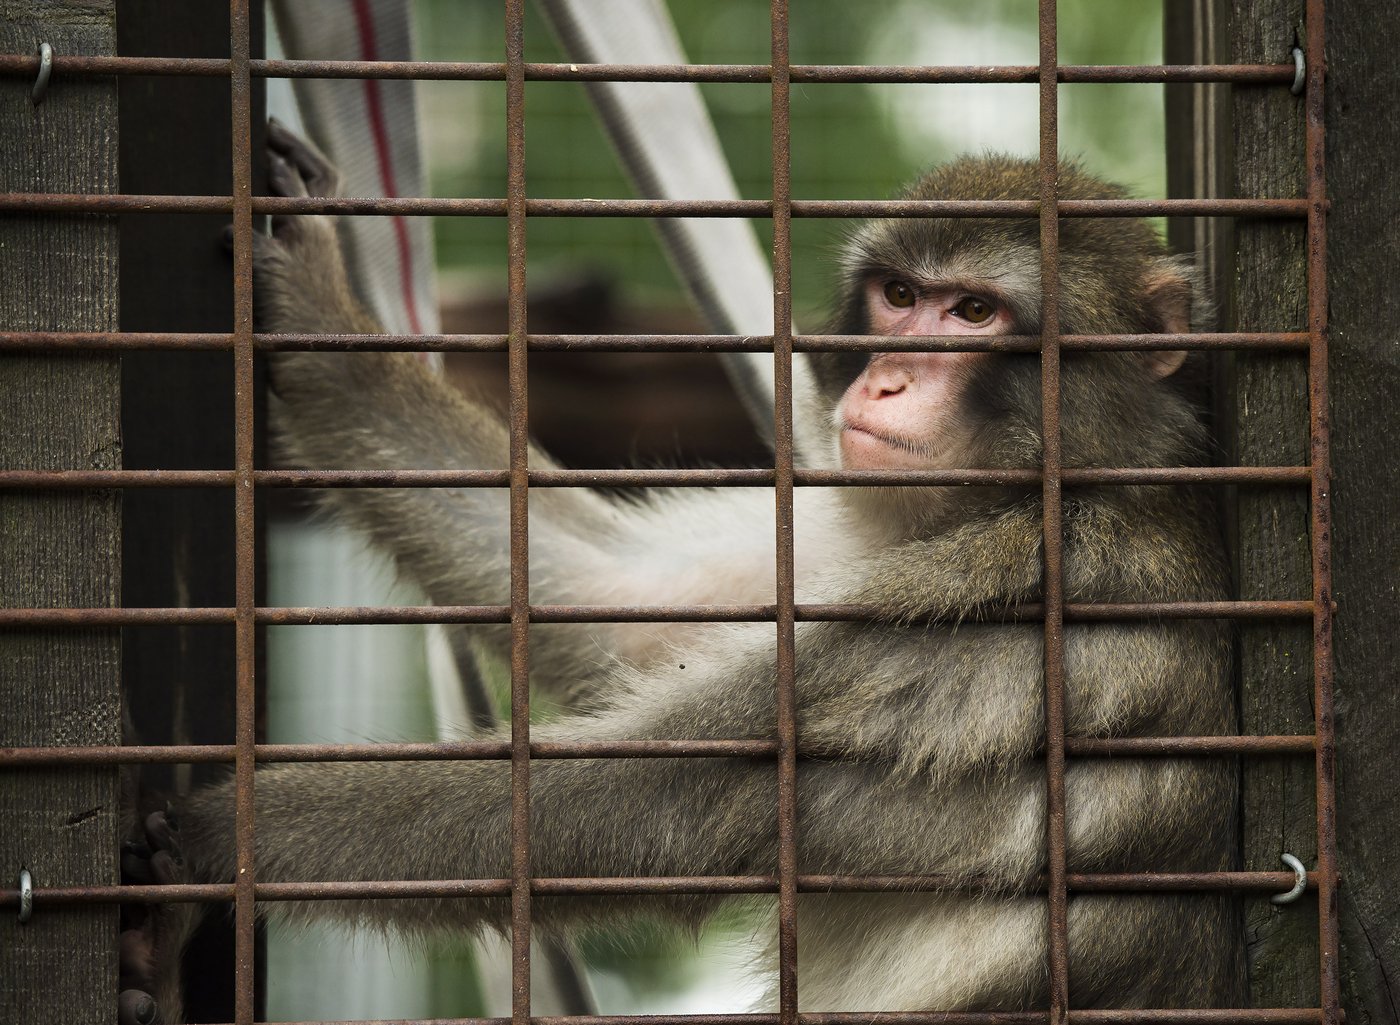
(314, 169)
(153, 936)
(283, 178)
(135, 959)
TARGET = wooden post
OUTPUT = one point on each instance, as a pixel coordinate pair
(59, 411)
(1263, 419)
(1363, 179)
(1272, 555)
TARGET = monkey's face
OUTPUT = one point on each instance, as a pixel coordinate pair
(909, 410)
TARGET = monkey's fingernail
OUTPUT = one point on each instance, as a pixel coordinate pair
(135, 1008)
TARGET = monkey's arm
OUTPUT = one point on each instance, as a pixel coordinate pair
(609, 817)
(386, 411)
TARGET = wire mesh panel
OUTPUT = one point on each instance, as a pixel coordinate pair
(519, 614)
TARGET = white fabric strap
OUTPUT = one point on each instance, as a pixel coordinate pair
(666, 141)
(369, 129)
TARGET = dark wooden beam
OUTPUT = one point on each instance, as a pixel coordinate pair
(1270, 426)
(1363, 176)
(59, 548)
(177, 411)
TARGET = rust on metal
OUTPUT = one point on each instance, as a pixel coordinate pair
(400, 889)
(705, 477)
(516, 213)
(40, 341)
(426, 206)
(1329, 942)
(494, 71)
(245, 566)
(783, 455)
(51, 619)
(1057, 940)
(488, 750)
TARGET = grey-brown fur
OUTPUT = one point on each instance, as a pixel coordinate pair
(920, 734)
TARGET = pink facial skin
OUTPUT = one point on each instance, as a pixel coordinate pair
(904, 412)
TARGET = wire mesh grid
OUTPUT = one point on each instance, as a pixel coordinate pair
(245, 479)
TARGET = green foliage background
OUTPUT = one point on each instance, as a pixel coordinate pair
(848, 141)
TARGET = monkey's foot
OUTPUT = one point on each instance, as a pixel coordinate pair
(153, 935)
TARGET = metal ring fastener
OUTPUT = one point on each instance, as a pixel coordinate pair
(41, 83)
(1300, 881)
(26, 896)
(1300, 72)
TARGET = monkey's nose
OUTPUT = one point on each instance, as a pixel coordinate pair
(887, 380)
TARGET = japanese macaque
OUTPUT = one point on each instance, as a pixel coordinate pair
(920, 735)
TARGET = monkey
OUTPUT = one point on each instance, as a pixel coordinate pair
(920, 734)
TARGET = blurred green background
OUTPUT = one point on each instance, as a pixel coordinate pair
(848, 141)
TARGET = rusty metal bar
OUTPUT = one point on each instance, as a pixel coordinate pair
(424, 206)
(244, 496)
(1329, 943)
(489, 750)
(41, 341)
(399, 889)
(1057, 941)
(61, 618)
(706, 477)
(490, 71)
(785, 580)
(516, 213)
(1241, 1016)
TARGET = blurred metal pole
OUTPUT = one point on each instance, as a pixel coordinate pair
(667, 144)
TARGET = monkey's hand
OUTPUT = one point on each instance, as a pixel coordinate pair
(154, 936)
(299, 278)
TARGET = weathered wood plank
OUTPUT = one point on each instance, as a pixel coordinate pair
(1363, 138)
(1271, 427)
(59, 548)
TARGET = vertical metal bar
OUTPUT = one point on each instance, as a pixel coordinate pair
(783, 501)
(1058, 924)
(243, 498)
(519, 519)
(1329, 986)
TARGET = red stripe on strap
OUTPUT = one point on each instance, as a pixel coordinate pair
(369, 51)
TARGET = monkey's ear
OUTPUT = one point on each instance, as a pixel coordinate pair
(1167, 301)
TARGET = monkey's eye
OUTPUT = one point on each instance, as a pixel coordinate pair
(897, 293)
(974, 310)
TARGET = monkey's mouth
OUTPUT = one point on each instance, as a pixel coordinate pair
(893, 441)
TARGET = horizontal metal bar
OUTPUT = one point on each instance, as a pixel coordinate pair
(39, 341)
(490, 750)
(407, 889)
(1244, 1016)
(431, 206)
(704, 477)
(493, 71)
(437, 751)
(84, 618)
(1139, 747)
